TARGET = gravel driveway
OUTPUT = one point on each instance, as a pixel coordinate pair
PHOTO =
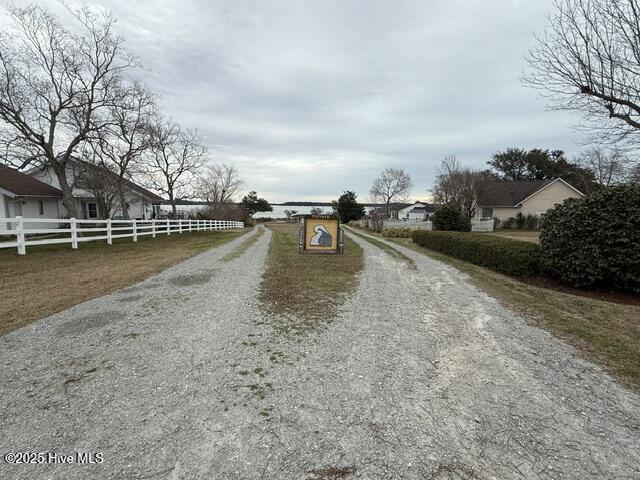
(421, 376)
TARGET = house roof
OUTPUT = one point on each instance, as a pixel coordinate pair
(127, 183)
(425, 207)
(510, 194)
(22, 185)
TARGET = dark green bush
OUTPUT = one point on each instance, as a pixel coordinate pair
(503, 255)
(595, 240)
(508, 223)
(451, 217)
(531, 222)
(520, 221)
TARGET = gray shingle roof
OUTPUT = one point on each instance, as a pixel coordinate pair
(509, 194)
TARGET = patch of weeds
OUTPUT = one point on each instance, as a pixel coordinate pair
(131, 335)
(260, 372)
(331, 473)
(277, 357)
(243, 247)
(243, 372)
(266, 411)
(249, 344)
(259, 390)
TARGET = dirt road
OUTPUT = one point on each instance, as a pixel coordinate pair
(421, 376)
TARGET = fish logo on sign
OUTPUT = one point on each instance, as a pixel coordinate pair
(321, 237)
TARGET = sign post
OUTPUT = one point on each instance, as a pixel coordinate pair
(321, 234)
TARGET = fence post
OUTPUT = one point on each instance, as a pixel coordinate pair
(74, 234)
(22, 248)
(135, 230)
(153, 228)
(180, 226)
(168, 227)
(109, 238)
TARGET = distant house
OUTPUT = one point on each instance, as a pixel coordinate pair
(22, 195)
(417, 211)
(142, 203)
(504, 200)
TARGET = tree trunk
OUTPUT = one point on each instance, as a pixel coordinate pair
(123, 201)
(173, 205)
(67, 194)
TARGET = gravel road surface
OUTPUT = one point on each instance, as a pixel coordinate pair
(421, 376)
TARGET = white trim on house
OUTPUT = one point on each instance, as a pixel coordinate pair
(548, 185)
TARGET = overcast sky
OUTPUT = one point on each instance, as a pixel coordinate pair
(309, 98)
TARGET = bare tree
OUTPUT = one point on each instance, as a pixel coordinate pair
(217, 184)
(393, 185)
(609, 167)
(589, 61)
(56, 86)
(176, 155)
(459, 186)
(121, 143)
(102, 181)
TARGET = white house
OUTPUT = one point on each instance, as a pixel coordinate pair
(142, 203)
(418, 211)
(22, 195)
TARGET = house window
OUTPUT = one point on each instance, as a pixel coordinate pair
(40, 207)
(487, 212)
(92, 210)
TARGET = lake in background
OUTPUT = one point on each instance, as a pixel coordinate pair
(278, 210)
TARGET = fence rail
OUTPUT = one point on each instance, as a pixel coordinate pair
(23, 228)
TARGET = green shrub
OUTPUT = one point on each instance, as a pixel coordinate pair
(502, 255)
(531, 222)
(508, 223)
(595, 240)
(520, 221)
(451, 217)
(397, 232)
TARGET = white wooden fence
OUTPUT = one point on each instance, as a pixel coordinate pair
(74, 230)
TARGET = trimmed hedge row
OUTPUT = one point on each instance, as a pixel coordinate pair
(512, 257)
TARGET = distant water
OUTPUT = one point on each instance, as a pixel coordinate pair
(278, 210)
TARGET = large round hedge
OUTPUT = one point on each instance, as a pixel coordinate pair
(595, 240)
(451, 217)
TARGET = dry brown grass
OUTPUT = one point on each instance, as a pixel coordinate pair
(524, 235)
(53, 278)
(306, 287)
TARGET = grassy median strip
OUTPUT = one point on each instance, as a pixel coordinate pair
(52, 278)
(244, 246)
(306, 289)
(389, 250)
(605, 329)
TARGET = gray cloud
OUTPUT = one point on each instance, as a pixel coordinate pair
(310, 98)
